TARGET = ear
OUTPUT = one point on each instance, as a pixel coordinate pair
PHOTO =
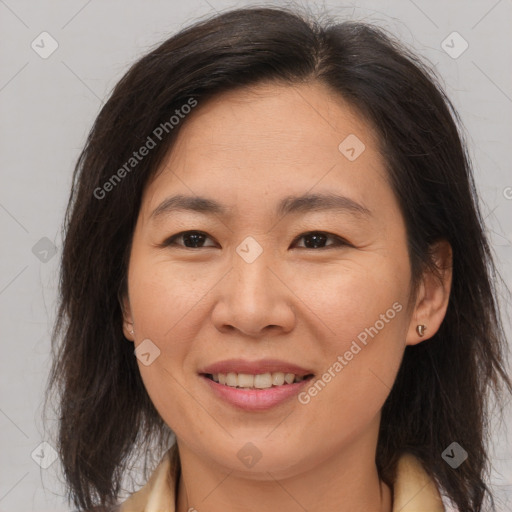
(433, 294)
(127, 318)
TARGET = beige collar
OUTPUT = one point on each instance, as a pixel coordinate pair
(413, 489)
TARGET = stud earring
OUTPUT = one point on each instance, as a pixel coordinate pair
(420, 329)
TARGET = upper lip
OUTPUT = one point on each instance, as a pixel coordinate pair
(254, 367)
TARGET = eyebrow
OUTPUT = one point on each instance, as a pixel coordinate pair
(288, 205)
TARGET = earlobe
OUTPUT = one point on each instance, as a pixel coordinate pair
(128, 331)
(433, 295)
(128, 324)
(420, 329)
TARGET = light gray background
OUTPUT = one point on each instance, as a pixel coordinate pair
(48, 106)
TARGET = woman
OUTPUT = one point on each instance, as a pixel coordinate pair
(274, 253)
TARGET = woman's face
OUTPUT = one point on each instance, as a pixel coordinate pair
(296, 264)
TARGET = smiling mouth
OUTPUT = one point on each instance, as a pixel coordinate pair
(256, 381)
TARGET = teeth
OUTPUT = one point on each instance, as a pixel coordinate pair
(262, 381)
(245, 380)
(277, 379)
(232, 379)
(289, 378)
(259, 381)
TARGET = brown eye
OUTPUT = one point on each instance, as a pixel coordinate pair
(317, 240)
(196, 240)
(190, 240)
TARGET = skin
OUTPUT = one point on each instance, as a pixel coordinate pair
(248, 149)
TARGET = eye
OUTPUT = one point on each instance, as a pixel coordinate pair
(315, 238)
(194, 238)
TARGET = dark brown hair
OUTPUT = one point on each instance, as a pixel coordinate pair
(442, 390)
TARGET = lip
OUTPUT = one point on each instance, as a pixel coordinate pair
(255, 399)
(255, 367)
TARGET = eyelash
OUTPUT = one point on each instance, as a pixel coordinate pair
(338, 240)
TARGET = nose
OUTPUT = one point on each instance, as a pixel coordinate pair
(253, 299)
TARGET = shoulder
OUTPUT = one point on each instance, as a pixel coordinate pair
(99, 508)
(413, 488)
(159, 490)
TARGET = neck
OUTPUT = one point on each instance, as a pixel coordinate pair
(347, 481)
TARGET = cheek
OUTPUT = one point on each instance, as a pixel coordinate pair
(351, 296)
(165, 303)
(362, 309)
(165, 298)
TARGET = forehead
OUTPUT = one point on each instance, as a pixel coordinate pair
(270, 141)
(300, 117)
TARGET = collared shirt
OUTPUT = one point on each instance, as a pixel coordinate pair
(413, 489)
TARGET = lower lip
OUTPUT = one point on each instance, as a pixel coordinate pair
(256, 399)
